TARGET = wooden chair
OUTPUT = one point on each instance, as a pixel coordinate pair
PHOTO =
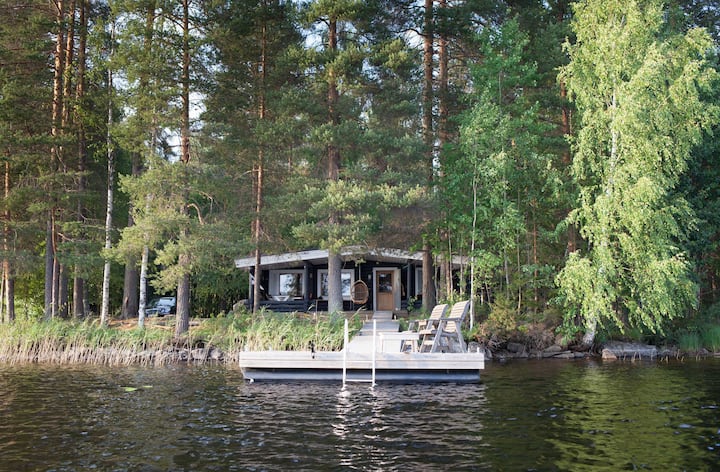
(448, 332)
(427, 328)
(431, 322)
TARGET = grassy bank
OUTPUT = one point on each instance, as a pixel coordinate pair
(122, 342)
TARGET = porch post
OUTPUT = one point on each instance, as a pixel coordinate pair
(251, 288)
(306, 282)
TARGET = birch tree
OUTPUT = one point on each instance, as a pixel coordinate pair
(638, 85)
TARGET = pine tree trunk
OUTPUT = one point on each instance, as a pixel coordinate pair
(130, 289)
(261, 71)
(183, 309)
(131, 278)
(49, 264)
(78, 294)
(428, 290)
(134, 298)
(50, 285)
(335, 301)
(183, 290)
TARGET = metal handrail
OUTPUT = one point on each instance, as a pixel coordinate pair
(373, 358)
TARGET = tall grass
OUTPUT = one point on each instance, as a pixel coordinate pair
(711, 337)
(275, 331)
(71, 341)
(689, 341)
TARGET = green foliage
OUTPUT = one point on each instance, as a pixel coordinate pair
(503, 317)
(646, 94)
(358, 210)
(629, 155)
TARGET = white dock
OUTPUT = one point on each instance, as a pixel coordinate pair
(358, 362)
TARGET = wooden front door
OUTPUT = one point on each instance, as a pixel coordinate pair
(385, 290)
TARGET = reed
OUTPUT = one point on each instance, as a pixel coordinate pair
(711, 337)
(689, 341)
(72, 341)
(275, 331)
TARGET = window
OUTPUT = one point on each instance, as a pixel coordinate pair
(385, 282)
(418, 281)
(348, 278)
(286, 283)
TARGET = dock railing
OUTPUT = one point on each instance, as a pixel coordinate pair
(346, 341)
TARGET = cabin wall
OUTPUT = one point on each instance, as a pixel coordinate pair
(311, 300)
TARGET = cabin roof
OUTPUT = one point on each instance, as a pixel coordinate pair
(320, 256)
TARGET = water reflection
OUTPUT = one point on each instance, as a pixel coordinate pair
(524, 416)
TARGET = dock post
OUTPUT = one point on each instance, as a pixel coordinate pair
(374, 347)
(345, 346)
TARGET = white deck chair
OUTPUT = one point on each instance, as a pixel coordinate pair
(448, 334)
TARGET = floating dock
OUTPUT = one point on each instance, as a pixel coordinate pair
(379, 353)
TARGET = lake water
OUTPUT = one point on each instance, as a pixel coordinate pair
(529, 415)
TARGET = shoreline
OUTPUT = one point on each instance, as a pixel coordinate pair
(169, 355)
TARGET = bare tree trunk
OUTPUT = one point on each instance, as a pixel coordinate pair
(473, 237)
(428, 275)
(49, 264)
(8, 281)
(130, 290)
(261, 71)
(62, 291)
(105, 307)
(78, 280)
(428, 289)
(60, 276)
(142, 302)
(50, 285)
(183, 293)
(135, 285)
(183, 290)
(335, 301)
(130, 302)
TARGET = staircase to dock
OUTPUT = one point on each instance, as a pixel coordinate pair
(362, 343)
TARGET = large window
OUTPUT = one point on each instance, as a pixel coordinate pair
(286, 283)
(348, 278)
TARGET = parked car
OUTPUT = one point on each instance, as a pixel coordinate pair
(161, 306)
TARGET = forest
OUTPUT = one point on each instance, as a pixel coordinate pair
(565, 149)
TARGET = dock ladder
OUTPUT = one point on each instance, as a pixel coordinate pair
(345, 378)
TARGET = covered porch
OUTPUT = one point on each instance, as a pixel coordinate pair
(379, 279)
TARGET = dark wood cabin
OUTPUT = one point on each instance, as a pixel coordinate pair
(373, 279)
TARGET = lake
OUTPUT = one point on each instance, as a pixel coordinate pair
(552, 415)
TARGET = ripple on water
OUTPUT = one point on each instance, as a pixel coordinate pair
(524, 416)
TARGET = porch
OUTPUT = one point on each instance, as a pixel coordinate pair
(389, 279)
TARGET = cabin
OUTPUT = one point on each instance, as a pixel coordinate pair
(374, 279)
